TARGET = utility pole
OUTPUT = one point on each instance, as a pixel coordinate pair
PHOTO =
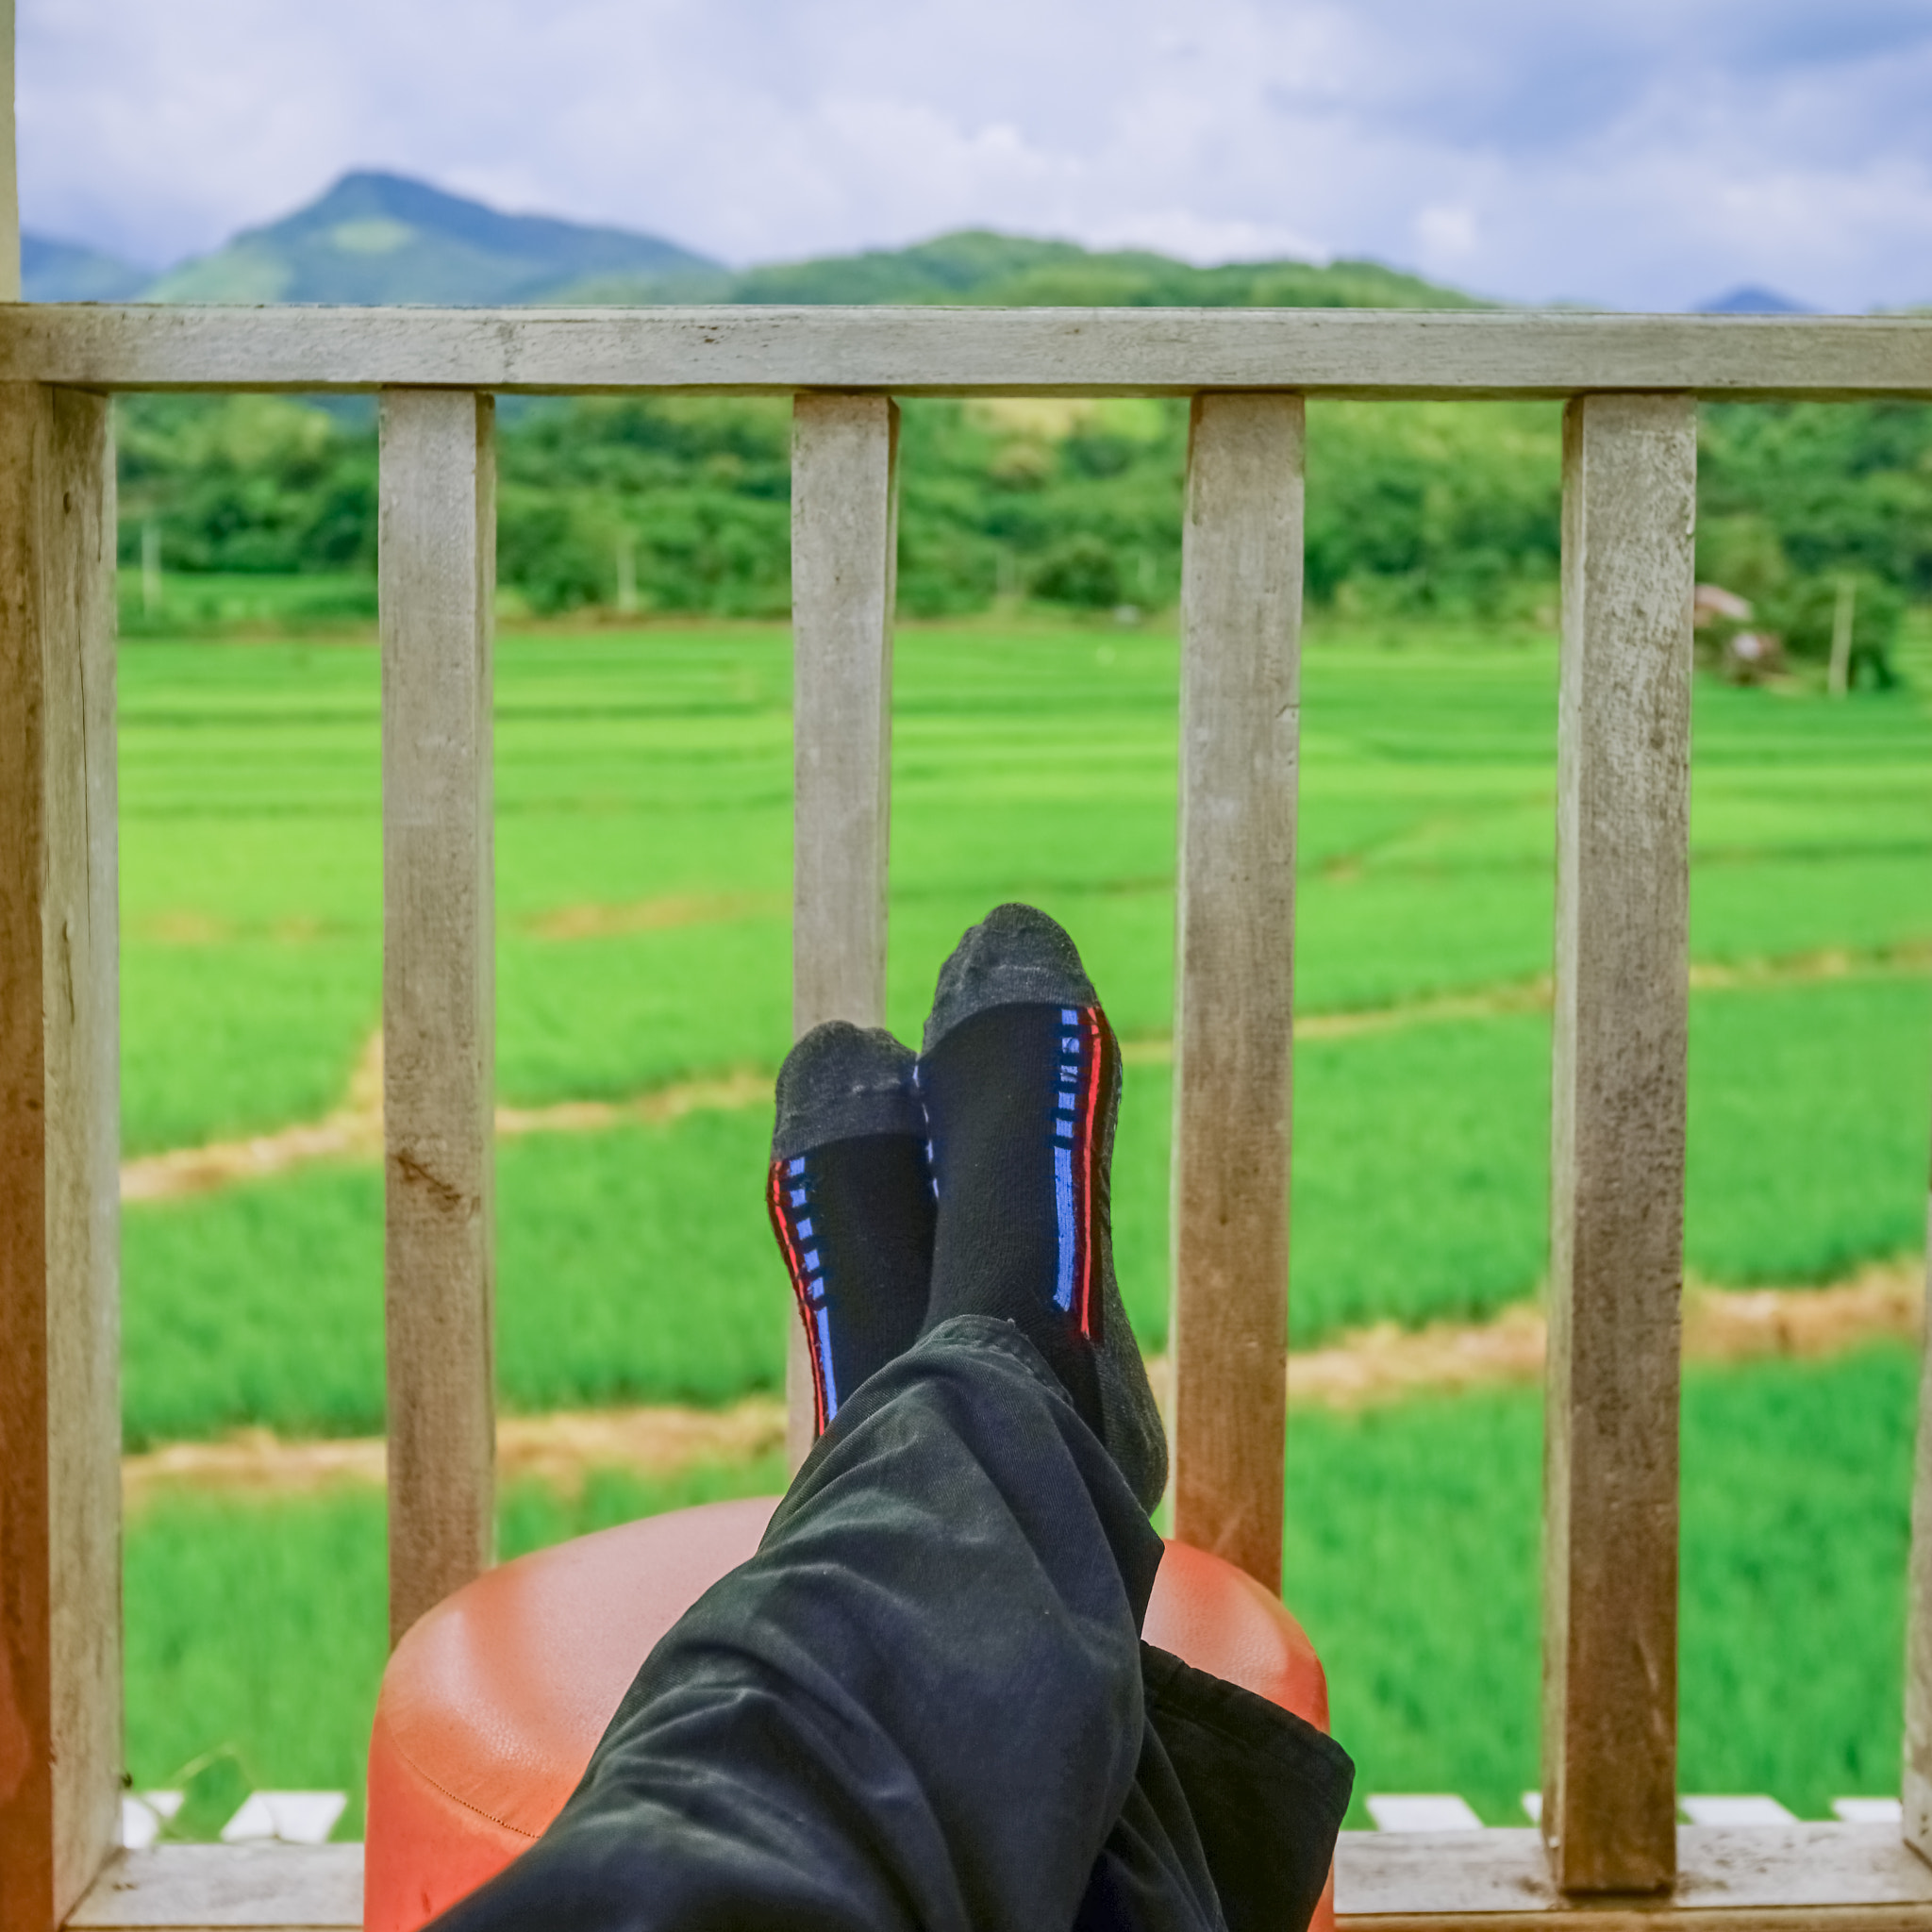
(627, 574)
(1838, 680)
(150, 569)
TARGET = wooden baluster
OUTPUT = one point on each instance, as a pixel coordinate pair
(1240, 726)
(1918, 1741)
(844, 569)
(60, 1750)
(1617, 1144)
(438, 571)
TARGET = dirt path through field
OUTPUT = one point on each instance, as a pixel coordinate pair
(1375, 1365)
(354, 1130)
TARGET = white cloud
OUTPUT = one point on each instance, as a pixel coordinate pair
(1647, 155)
(1445, 236)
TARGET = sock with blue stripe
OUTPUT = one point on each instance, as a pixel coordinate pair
(851, 1203)
(1021, 1078)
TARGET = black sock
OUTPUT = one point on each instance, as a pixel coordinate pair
(1021, 1078)
(850, 1196)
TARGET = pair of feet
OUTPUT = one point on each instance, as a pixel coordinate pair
(971, 1180)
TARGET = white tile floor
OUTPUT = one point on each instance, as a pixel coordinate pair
(143, 1814)
(294, 1818)
(1869, 1811)
(1434, 1812)
(307, 1818)
(1735, 1811)
(1397, 1813)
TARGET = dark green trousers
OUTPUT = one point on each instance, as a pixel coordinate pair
(925, 1704)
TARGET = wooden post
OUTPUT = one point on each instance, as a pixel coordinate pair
(1234, 979)
(150, 569)
(438, 571)
(1838, 676)
(1918, 1742)
(60, 1750)
(844, 571)
(1617, 1144)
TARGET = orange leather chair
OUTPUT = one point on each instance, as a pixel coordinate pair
(492, 1704)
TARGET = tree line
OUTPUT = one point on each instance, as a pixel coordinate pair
(677, 506)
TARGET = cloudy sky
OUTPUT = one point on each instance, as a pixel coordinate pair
(1643, 153)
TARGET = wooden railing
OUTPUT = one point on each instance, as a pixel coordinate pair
(1609, 1843)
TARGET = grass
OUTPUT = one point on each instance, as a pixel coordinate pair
(1413, 1550)
(642, 843)
(247, 605)
(647, 777)
(1414, 1547)
(256, 1632)
(635, 1264)
(643, 874)
(643, 856)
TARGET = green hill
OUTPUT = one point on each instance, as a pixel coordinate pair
(978, 266)
(52, 271)
(382, 238)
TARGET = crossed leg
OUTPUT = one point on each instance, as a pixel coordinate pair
(924, 1702)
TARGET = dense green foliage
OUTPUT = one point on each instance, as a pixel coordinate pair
(257, 1634)
(683, 506)
(1794, 498)
(643, 787)
(981, 268)
(247, 484)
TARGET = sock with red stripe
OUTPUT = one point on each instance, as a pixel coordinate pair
(851, 1203)
(1021, 1078)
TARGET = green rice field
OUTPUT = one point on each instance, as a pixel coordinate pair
(643, 785)
(642, 841)
(257, 1631)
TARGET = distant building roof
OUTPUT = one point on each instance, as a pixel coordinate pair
(1713, 600)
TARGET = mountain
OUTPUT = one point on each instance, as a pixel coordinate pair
(1753, 300)
(383, 238)
(54, 271)
(375, 237)
(979, 267)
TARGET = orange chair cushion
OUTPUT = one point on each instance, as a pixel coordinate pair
(492, 1704)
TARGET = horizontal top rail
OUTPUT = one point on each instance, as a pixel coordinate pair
(1384, 353)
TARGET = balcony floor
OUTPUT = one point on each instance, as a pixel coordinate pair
(1849, 1877)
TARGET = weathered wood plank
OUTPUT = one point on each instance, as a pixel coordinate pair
(1917, 1794)
(1617, 1143)
(845, 541)
(1847, 1879)
(59, 1150)
(1836, 1875)
(751, 351)
(1240, 723)
(844, 573)
(83, 1069)
(437, 545)
(199, 1887)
